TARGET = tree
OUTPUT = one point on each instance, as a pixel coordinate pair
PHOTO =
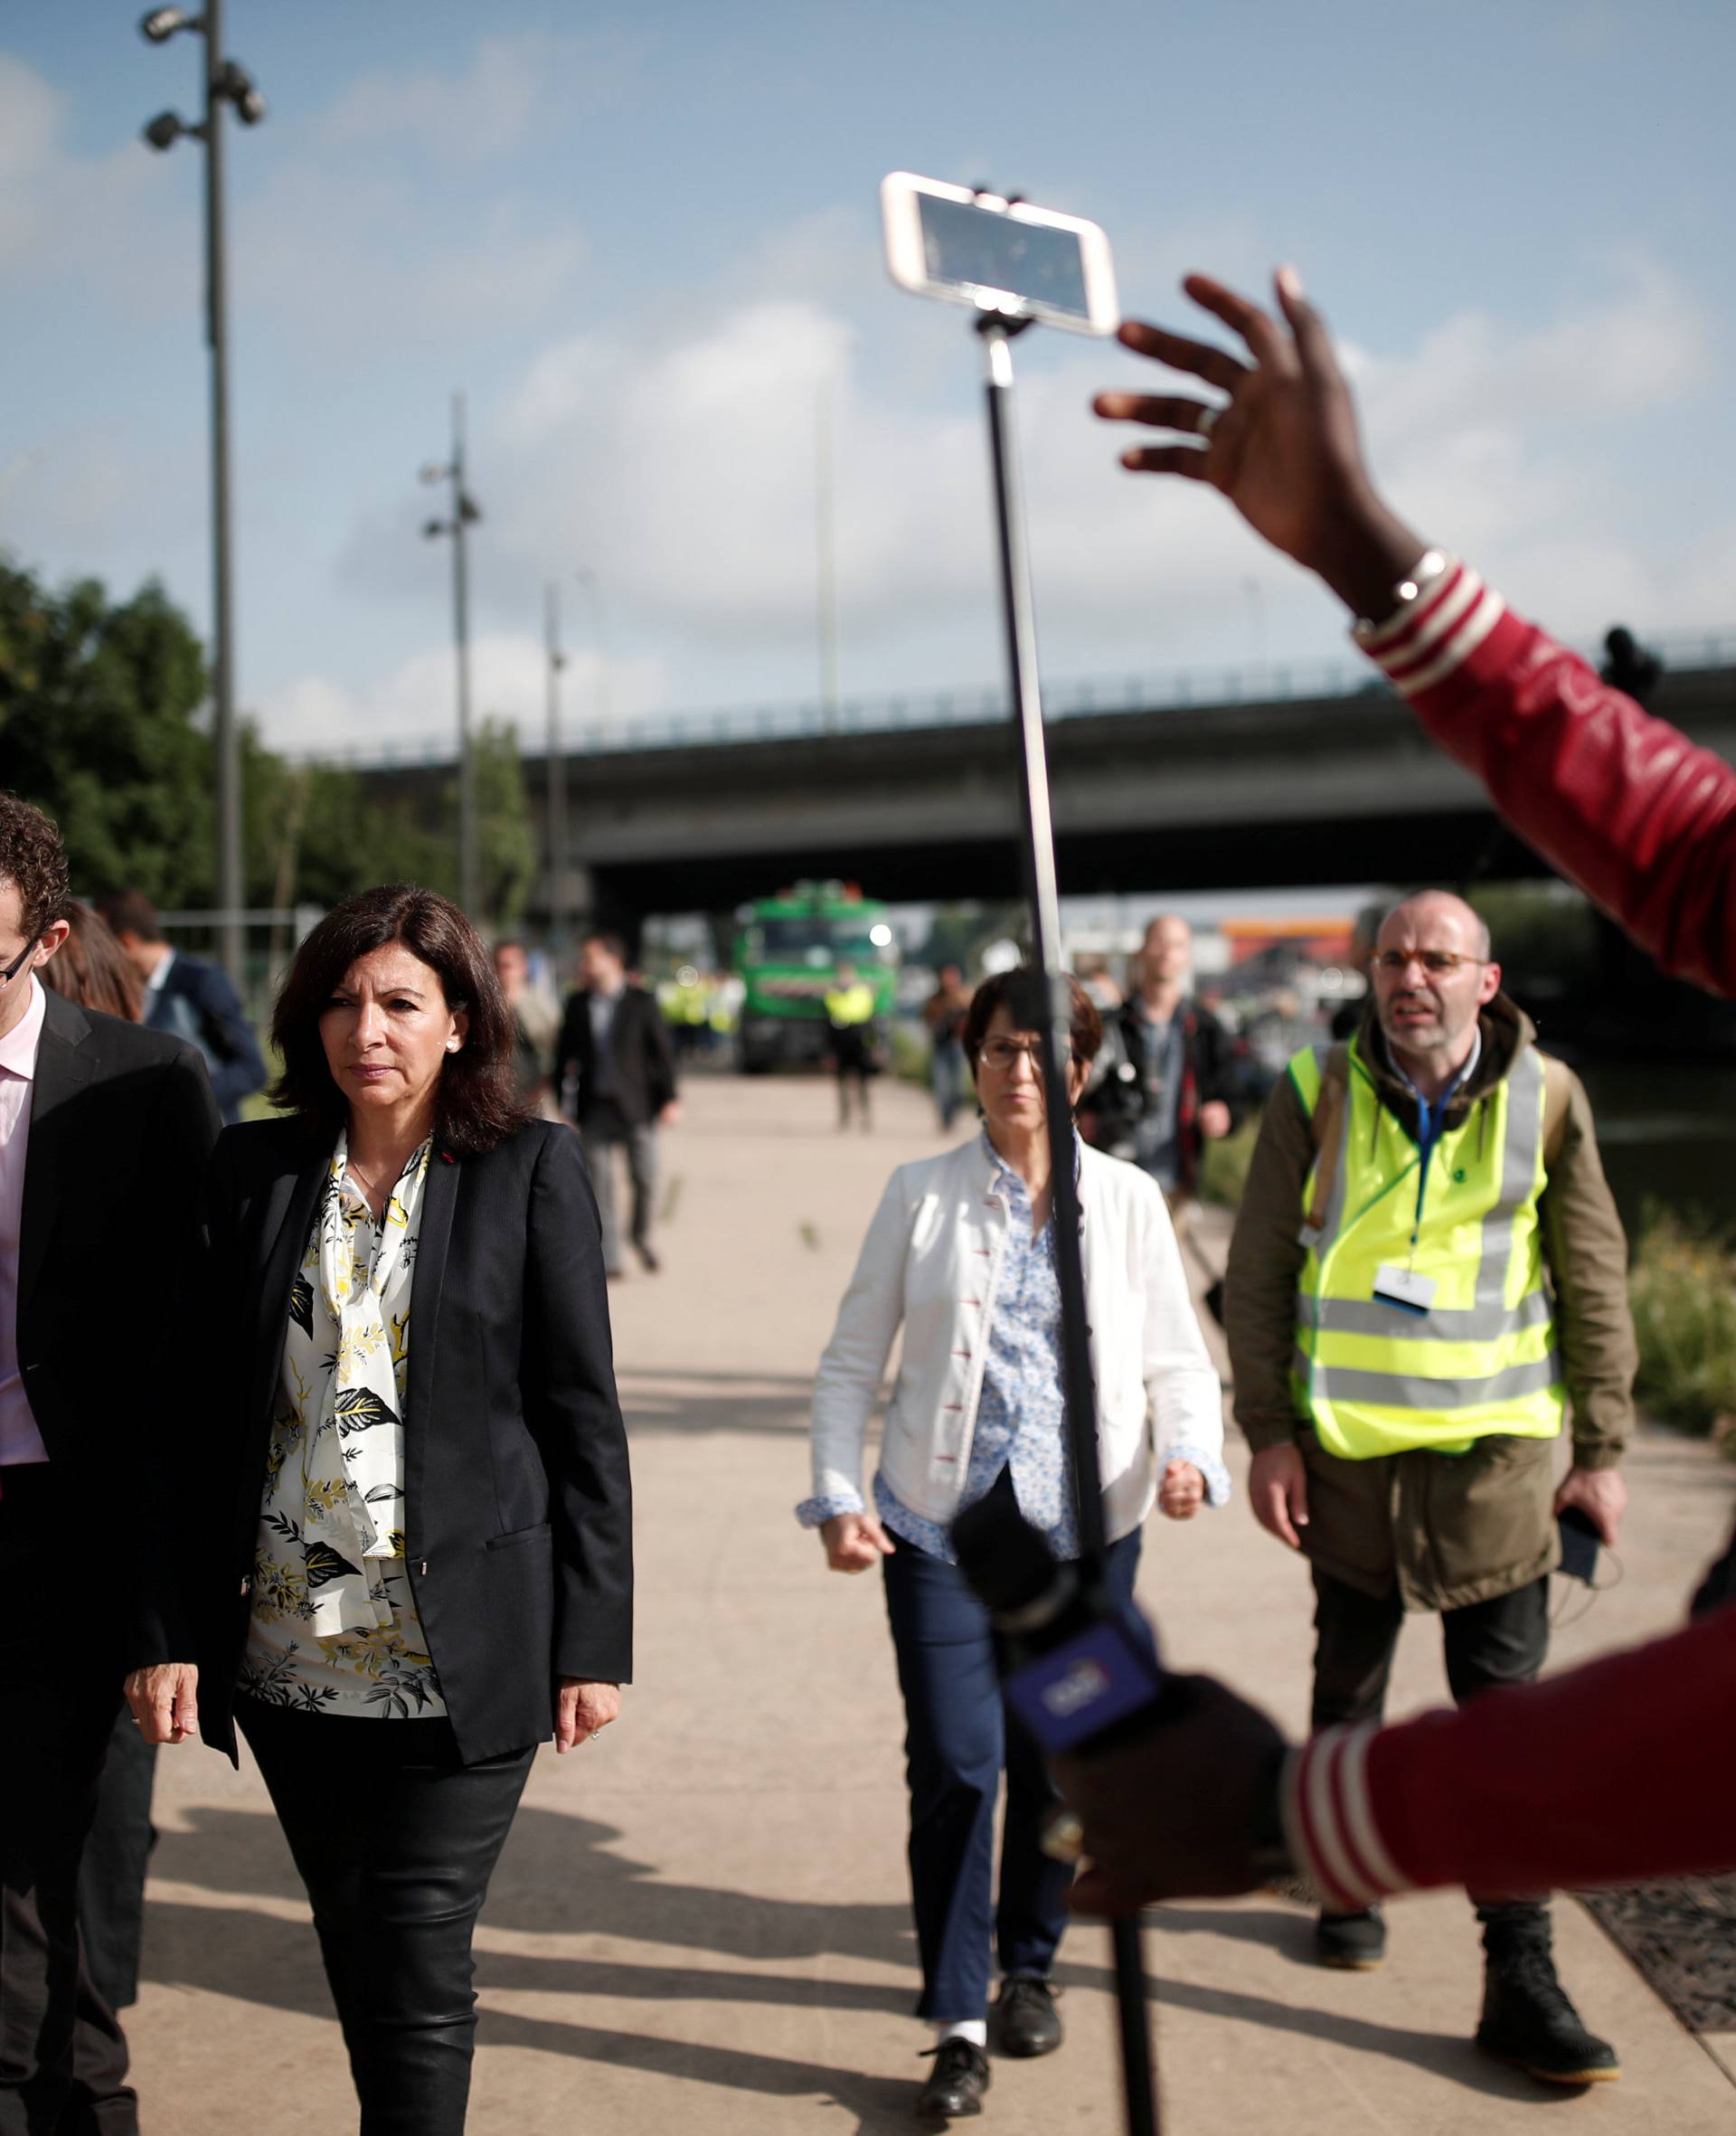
(508, 847)
(97, 726)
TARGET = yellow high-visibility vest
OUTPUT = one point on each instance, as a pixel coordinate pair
(1481, 1358)
(851, 1004)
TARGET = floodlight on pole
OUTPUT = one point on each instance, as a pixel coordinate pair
(225, 82)
(162, 23)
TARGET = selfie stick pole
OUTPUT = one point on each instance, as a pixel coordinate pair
(1049, 1011)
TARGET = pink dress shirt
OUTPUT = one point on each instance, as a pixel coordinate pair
(20, 1440)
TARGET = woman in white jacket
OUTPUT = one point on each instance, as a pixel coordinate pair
(960, 1255)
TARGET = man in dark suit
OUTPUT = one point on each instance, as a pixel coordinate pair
(104, 1130)
(190, 998)
(615, 1071)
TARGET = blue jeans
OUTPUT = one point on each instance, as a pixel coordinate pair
(960, 1739)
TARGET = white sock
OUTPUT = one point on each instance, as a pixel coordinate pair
(974, 2029)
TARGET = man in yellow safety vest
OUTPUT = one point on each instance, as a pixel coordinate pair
(1428, 1277)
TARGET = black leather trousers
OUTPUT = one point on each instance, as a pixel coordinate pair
(395, 1841)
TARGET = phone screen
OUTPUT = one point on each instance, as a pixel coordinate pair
(974, 248)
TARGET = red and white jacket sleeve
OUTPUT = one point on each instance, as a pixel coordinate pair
(1622, 804)
(1611, 1774)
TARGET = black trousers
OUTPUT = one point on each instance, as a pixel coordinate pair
(1486, 1644)
(395, 1841)
(62, 2057)
(117, 1856)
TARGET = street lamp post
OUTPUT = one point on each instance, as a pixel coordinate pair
(600, 706)
(557, 780)
(466, 511)
(225, 82)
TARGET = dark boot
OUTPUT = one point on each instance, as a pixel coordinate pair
(1351, 1942)
(957, 2081)
(1527, 2018)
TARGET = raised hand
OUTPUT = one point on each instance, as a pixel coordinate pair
(1282, 446)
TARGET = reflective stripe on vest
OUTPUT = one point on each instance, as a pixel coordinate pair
(1374, 1379)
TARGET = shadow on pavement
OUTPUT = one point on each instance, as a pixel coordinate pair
(557, 1877)
(705, 1402)
(1448, 2054)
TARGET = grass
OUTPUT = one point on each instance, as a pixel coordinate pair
(1683, 1286)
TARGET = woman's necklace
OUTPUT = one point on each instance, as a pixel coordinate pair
(375, 1188)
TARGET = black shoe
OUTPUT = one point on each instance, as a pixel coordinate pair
(1025, 2020)
(1527, 2018)
(652, 1265)
(957, 2081)
(1352, 1942)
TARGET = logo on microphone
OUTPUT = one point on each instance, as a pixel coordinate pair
(1083, 1685)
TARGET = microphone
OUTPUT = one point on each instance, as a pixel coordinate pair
(1078, 1668)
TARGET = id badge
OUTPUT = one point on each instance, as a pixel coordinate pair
(1404, 1289)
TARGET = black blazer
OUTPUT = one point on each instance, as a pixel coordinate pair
(640, 1054)
(518, 1516)
(121, 1125)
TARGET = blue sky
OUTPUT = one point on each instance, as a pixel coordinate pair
(645, 242)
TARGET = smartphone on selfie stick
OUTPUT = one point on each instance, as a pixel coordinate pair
(1017, 266)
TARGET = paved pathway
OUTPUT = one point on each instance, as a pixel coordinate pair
(699, 1922)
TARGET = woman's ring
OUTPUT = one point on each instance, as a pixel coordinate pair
(1207, 421)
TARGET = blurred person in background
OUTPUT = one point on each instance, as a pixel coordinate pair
(190, 997)
(1167, 1085)
(535, 1022)
(1347, 1018)
(615, 1071)
(852, 1037)
(960, 1256)
(421, 1498)
(944, 1012)
(105, 1128)
(91, 970)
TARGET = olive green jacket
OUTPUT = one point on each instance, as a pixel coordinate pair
(1450, 1528)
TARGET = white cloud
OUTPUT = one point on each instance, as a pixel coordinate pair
(490, 108)
(411, 711)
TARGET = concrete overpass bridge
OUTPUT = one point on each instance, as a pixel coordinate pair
(1320, 776)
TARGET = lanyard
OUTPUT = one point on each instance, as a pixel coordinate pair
(1431, 1125)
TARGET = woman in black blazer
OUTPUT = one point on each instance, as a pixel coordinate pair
(422, 1561)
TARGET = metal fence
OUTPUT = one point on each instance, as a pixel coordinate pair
(1167, 690)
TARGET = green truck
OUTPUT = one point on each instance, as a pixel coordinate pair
(788, 951)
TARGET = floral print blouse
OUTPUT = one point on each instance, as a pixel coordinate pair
(334, 1628)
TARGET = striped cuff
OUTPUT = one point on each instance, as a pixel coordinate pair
(1431, 636)
(1329, 1820)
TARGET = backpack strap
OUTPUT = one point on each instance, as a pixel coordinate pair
(1324, 1119)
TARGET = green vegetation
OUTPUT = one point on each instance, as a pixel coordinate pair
(1683, 1291)
(101, 724)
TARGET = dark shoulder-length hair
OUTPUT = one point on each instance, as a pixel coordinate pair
(90, 967)
(476, 1105)
(1013, 990)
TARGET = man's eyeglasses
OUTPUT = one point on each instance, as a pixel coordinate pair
(1434, 960)
(10, 972)
(1001, 1052)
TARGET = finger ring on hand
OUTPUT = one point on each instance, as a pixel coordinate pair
(1207, 421)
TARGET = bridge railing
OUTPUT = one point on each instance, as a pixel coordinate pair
(1173, 689)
